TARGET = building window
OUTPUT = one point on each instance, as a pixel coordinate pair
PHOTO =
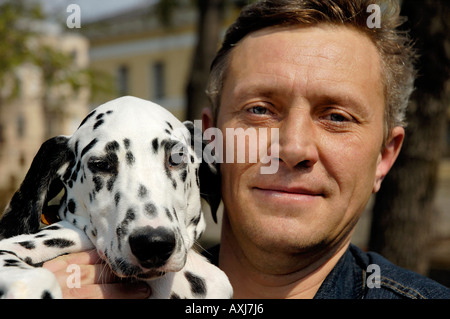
(158, 77)
(122, 80)
(20, 126)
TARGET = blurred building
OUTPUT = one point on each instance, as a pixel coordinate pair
(39, 112)
(146, 57)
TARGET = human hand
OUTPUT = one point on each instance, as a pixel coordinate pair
(96, 279)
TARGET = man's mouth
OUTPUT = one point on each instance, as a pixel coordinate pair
(290, 190)
(282, 194)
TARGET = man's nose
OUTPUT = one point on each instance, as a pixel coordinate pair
(297, 140)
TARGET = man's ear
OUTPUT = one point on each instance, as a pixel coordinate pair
(388, 155)
(207, 118)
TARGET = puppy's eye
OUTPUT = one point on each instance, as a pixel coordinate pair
(97, 165)
(177, 157)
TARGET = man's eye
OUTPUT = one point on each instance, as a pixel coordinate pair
(259, 110)
(338, 118)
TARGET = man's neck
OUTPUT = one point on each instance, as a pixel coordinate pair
(298, 276)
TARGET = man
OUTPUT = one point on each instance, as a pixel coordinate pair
(335, 85)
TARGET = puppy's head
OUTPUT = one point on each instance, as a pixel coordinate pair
(131, 180)
(134, 187)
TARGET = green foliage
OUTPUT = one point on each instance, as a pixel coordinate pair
(21, 44)
(14, 37)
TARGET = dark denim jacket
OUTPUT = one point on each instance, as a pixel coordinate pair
(352, 278)
(361, 275)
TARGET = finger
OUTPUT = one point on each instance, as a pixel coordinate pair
(94, 279)
(85, 275)
(109, 291)
(82, 258)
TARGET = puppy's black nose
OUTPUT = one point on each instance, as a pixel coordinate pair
(152, 246)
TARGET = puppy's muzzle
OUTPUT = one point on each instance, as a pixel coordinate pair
(152, 246)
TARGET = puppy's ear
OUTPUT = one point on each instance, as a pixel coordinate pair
(42, 182)
(209, 177)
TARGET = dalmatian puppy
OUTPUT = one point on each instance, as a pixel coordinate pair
(132, 183)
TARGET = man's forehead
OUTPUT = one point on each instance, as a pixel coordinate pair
(325, 55)
(339, 45)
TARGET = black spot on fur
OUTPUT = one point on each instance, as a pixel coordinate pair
(75, 172)
(167, 131)
(150, 210)
(110, 182)
(120, 232)
(198, 285)
(98, 181)
(98, 124)
(10, 263)
(183, 175)
(122, 229)
(117, 199)
(71, 206)
(126, 143)
(197, 177)
(28, 244)
(68, 173)
(174, 212)
(195, 220)
(58, 242)
(76, 147)
(46, 295)
(98, 117)
(112, 146)
(6, 252)
(142, 192)
(170, 125)
(109, 112)
(155, 144)
(130, 158)
(130, 215)
(28, 261)
(169, 215)
(88, 147)
(53, 227)
(87, 118)
(121, 265)
(174, 296)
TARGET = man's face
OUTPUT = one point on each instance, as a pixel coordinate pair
(322, 88)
